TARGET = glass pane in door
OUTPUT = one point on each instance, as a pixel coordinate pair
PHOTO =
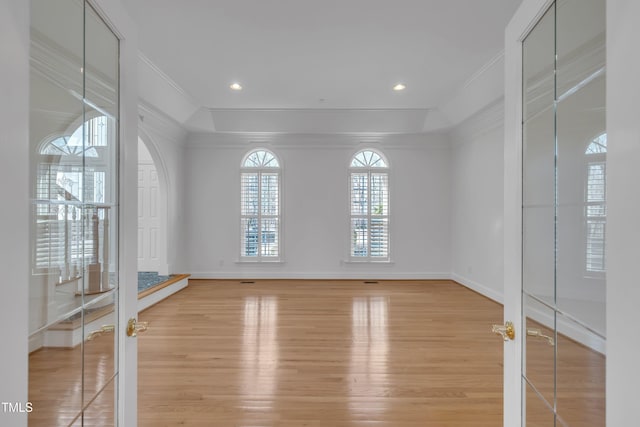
(100, 412)
(537, 411)
(564, 215)
(55, 304)
(580, 376)
(100, 138)
(539, 361)
(74, 234)
(581, 212)
(582, 155)
(538, 221)
(538, 166)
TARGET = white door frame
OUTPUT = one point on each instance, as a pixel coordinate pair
(523, 21)
(14, 220)
(116, 17)
(623, 211)
(14, 226)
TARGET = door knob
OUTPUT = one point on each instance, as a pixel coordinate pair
(538, 333)
(103, 330)
(507, 331)
(133, 327)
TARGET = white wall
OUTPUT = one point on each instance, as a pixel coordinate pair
(165, 141)
(315, 213)
(623, 251)
(14, 219)
(477, 202)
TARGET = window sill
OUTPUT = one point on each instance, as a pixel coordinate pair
(368, 261)
(260, 262)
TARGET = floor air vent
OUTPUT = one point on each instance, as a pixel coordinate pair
(247, 282)
(370, 282)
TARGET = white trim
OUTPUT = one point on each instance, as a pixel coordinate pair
(483, 290)
(162, 294)
(569, 329)
(121, 24)
(144, 59)
(14, 227)
(352, 275)
(623, 210)
(305, 141)
(527, 15)
(367, 261)
(262, 261)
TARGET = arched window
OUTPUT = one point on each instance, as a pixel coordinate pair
(74, 170)
(260, 206)
(596, 204)
(369, 207)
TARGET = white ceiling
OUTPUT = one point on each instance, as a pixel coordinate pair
(313, 55)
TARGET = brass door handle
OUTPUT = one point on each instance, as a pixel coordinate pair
(133, 327)
(103, 330)
(538, 333)
(507, 331)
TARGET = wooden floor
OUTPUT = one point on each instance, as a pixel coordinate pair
(318, 353)
(314, 353)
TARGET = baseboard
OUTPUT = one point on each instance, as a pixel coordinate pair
(151, 296)
(570, 330)
(378, 274)
(490, 293)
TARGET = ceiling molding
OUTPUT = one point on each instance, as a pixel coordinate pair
(498, 59)
(143, 58)
(316, 141)
(490, 118)
(156, 122)
(483, 88)
(158, 89)
(321, 121)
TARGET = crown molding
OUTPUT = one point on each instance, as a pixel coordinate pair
(490, 118)
(155, 122)
(168, 80)
(221, 140)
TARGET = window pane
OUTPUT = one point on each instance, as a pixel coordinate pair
(260, 159)
(596, 215)
(269, 194)
(379, 194)
(595, 245)
(249, 240)
(368, 158)
(596, 182)
(359, 237)
(379, 237)
(249, 196)
(269, 237)
(359, 194)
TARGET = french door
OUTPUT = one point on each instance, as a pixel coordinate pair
(78, 304)
(555, 214)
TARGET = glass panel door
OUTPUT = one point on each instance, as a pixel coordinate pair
(564, 217)
(73, 286)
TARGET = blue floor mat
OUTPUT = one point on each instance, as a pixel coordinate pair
(149, 279)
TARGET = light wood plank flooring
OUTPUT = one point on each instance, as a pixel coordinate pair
(321, 353)
(318, 353)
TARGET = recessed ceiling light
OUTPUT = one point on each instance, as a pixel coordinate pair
(235, 86)
(399, 87)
